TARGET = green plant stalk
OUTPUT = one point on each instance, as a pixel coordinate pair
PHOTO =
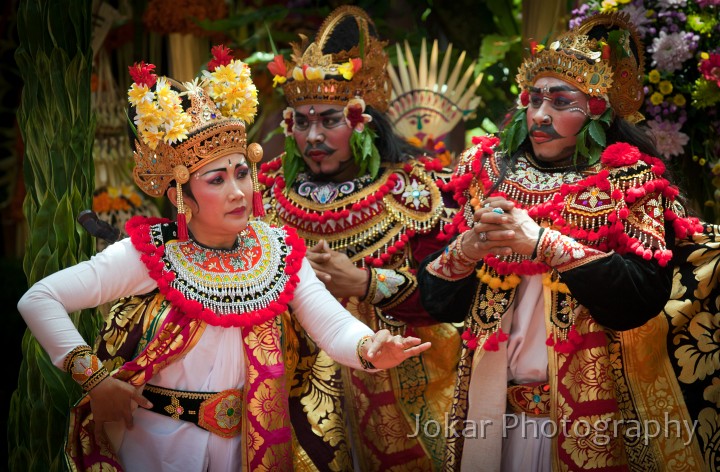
(57, 126)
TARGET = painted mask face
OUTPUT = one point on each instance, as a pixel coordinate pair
(222, 203)
(323, 137)
(556, 113)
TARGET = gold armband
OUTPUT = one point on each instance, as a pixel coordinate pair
(366, 364)
(85, 367)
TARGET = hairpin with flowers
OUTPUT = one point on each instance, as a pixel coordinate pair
(173, 141)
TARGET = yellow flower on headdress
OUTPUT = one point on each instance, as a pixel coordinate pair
(348, 69)
(279, 79)
(139, 93)
(232, 90)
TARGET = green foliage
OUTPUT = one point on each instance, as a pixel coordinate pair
(292, 162)
(365, 152)
(514, 133)
(591, 139)
(57, 125)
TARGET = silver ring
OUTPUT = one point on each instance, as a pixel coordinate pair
(482, 237)
(499, 211)
(487, 205)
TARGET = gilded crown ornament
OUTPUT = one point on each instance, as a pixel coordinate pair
(317, 76)
(602, 57)
(211, 126)
(182, 127)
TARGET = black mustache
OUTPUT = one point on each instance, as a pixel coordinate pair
(319, 147)
(547, 129)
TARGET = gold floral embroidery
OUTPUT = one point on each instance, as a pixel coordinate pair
(699, 358)
(709, 432)
(268, 406)
(385, 430)
(265, 343)
(590, 444)
(254, 441)
(682, 462)
(588, 376)
(712, 392)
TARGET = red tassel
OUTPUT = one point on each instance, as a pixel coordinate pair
(182, 227)
(258, 207)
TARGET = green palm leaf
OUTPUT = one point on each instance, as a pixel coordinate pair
(57, 125)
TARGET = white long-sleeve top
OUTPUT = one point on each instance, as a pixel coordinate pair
(215, 363)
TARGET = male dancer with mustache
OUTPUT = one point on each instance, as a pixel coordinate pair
(561, 272)
(369, 207)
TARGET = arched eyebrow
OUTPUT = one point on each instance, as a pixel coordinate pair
(224, 169)
(326, 113)
(555, 88)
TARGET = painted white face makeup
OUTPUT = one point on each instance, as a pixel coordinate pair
(323, 137)
(555, 115)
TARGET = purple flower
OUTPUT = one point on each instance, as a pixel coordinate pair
(708, 3)
(669, 51)
(672, 3)
(638, 16)
(668, 137)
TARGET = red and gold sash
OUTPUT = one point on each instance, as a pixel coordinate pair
(143, 334)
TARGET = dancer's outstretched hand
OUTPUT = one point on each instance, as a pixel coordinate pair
(385, 351)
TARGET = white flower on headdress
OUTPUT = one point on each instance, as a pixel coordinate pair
(232, 90)
(355, 115)
(288, 121)
(306, 72)
(139, 93)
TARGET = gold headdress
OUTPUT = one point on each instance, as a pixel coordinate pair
(319, 75)
(603, 57)
(426, 103)
(182, 127)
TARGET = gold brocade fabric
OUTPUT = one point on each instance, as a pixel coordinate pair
(383, 409)
(650, 395)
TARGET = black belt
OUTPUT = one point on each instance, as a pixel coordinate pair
(217, 412)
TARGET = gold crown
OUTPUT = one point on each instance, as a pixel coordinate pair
(604, 67)
(314, 77)
(173, 142)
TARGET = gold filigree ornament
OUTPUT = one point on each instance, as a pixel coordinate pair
(428, 99)
(602, 57)
(316, 75)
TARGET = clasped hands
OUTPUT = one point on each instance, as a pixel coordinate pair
(501, 229)
(335, 269)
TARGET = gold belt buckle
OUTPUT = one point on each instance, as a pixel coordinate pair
(221, 414)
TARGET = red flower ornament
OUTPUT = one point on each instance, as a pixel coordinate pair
(524, 98)
(597, 106)
(141, 74)
(222, 56)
